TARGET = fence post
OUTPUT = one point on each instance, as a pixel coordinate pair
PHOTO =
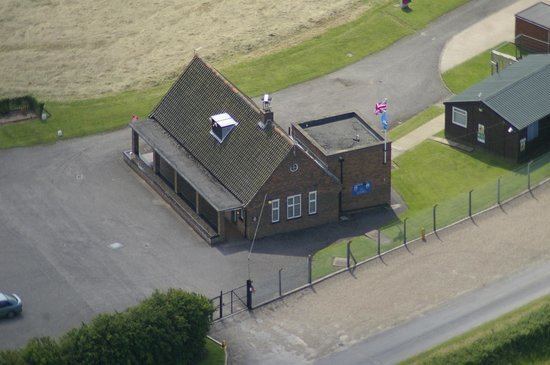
(498, 191)
(434, 213)
(378, 242)
(405, 231)
(470, 203)
(221, 303)
(280, 283)
(309, 269)
(529, 175)
(231, 301)
(348, 251)
(249, 290)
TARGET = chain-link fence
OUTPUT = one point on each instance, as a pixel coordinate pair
(276, 282)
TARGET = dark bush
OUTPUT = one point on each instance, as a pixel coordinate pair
(42, 351)
(166, 328)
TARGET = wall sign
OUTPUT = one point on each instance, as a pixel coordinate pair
(522, 144)
(481, 133)
(361, 188)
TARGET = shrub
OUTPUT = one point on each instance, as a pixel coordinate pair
(166, 328)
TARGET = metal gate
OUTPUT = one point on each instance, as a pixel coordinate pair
(229, 302)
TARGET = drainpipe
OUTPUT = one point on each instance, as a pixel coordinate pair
(341, 161)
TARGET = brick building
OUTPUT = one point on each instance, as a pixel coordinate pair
(533, 28)
(508, 113)
(230, 171)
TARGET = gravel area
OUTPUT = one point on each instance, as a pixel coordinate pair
(345, 310)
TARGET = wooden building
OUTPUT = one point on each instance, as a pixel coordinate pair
(533, 28)
(230, 171)
(507, 113)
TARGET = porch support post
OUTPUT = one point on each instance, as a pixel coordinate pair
(197, 202)
(221, 225)
(135, 143)
(156, 162)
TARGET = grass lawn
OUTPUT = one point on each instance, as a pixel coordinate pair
(375, 30)
(418, 120)
(80, 118)
(361, 247)
(474, 70)
(215, 354)
(519, 337)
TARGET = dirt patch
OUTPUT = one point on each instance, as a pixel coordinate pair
(70, 49)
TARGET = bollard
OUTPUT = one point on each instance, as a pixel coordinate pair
(470, 203)
(280, 283)
(423, 234)
(221, 303)
(249, 291)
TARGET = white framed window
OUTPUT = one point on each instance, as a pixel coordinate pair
(275, 211)
(460, 117)
(294, 206)
(312, 202)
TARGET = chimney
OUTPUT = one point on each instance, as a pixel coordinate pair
(267, 114)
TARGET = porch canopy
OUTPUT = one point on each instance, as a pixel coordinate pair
(185, 165)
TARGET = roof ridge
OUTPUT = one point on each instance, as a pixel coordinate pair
(525, 77)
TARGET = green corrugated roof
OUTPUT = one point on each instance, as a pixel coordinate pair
(248, 156)
(520, 93)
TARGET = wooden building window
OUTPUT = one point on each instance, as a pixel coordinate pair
(294, 206)
(460, 117)
(312, 206)
(275, 211)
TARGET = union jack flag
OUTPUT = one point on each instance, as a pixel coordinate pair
(381, 107)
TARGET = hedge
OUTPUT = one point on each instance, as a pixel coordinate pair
(27, 102)
(166, 328)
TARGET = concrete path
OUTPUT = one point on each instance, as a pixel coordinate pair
(492, 30)
(348, 309)
(407, 73)
(418, 135)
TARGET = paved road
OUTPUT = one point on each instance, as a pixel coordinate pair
(456, 317)
(407, 73)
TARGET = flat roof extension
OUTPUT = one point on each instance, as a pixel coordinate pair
(340, 133)
(538, 14)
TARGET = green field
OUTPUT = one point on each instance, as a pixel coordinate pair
(375, 30)
(519, 337)
(418, 120)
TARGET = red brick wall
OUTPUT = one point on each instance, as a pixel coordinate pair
(533, 31)
(284, 183)
(361, 165)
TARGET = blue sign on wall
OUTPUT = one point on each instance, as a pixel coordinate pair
(361, 188)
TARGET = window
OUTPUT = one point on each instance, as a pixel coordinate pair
(532, 131)
(275, 211)
(294, 206)
(241, 214)
(460, 117)
(312, 207)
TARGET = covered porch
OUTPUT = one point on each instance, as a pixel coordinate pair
(189, 188)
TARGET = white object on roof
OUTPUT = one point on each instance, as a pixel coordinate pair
(223, 120)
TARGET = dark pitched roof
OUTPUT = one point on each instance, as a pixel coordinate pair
(248, 156)
(537, 14)
(520, 93)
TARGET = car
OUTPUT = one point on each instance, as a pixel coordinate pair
(10, 305)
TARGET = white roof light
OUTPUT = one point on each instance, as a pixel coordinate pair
(222, 125)
(223, 120)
